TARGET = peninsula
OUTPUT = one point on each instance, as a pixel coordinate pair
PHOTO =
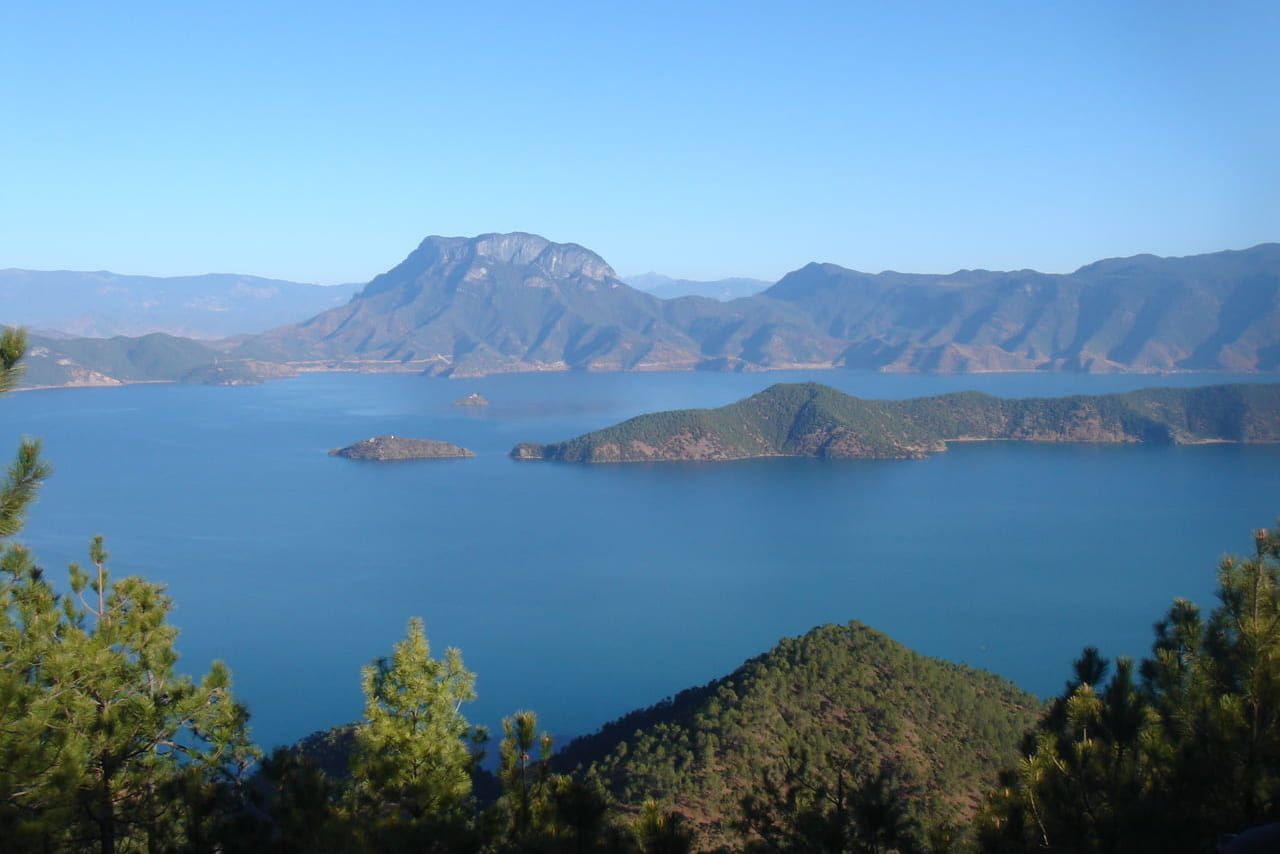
(400, 448)
(813, 420)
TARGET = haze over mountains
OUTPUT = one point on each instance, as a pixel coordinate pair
(721, 289)
(102, 304)
(518, 302)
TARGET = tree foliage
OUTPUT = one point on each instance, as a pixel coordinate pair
(103, 746)
(1166, 755)
(414, 752)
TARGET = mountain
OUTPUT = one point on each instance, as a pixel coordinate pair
(666, 287)
(517, 302)
(102, 304)
(813, 420)
(1208, 312)
(499, 302)
(846, 697)
(64, 361)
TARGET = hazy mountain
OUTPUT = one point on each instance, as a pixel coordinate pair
(101, 305)
(157, 357)
(813, 420)
(666, 287)
(1207, 312)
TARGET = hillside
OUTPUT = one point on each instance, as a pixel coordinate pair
(847, 697)
(150, 358)
(103, 305)
(813, 420)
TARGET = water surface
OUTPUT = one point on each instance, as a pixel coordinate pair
(584, 591)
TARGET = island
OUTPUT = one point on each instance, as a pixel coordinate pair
(814, 420)
(473, 399)
(400, 448)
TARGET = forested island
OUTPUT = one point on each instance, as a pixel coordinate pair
(814, 420)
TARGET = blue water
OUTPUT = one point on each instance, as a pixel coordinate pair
(584, 591)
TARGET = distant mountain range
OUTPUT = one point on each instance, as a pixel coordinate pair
(814, 420)
(518, 302)
(102, 304)
(666, 287)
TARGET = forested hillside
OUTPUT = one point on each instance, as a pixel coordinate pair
(841, 702)
(813, 420)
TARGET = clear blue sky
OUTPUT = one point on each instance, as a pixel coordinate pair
(322, 141)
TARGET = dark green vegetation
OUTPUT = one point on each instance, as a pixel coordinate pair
(813, 420)
(517, 302)
(842, 700)
(839, 741)
(102, 743)
(1163, 755)
(400, 448)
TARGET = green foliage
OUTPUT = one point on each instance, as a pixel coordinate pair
(846, 696)
(1172, 760)
(103, 746)
(848, 809)
(108, 747)
(414, 751)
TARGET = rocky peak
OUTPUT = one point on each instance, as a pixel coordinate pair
(448, 257)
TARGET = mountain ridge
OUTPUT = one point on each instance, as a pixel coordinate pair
(498, 303)
(465, 307)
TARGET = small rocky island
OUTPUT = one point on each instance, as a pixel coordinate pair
(473, 399)
(400, 448)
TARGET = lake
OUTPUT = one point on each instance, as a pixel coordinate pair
(581, 591)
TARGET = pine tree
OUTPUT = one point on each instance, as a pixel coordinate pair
(102, 745)
(414, 751)
(1171, 763)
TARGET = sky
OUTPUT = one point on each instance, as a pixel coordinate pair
(321, 142)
